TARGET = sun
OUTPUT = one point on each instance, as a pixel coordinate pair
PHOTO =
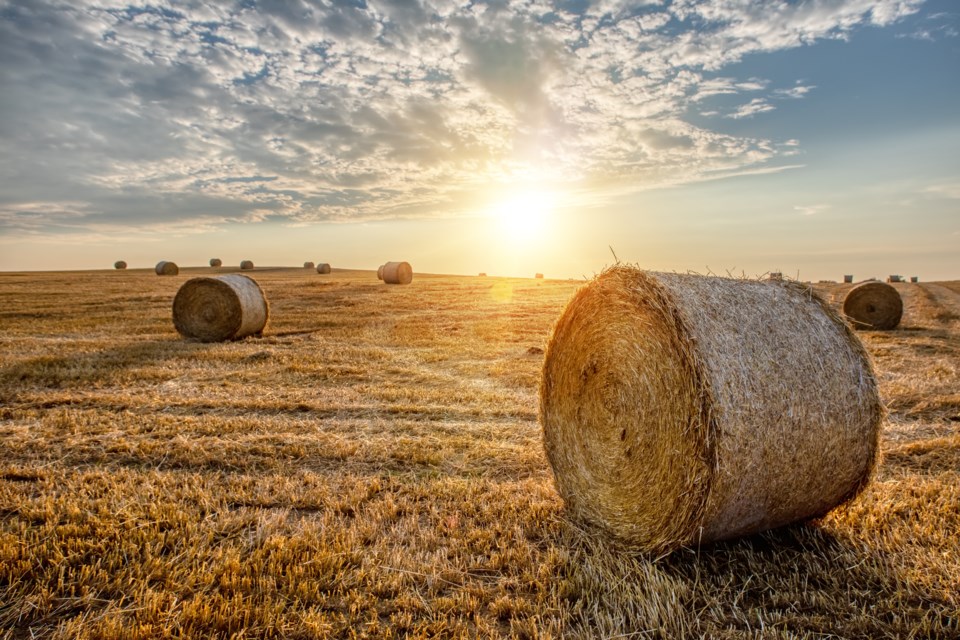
(524, 215)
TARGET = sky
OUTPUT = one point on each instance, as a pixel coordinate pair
(816, 138)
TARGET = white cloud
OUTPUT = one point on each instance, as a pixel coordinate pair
(811, 209)
(752, 108)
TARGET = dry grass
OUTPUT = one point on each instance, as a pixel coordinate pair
(372, 468)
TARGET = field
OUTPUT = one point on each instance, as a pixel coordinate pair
(372, 468)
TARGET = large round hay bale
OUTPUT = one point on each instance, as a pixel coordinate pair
(679, 409)
(380, 272)
(119, 264)
(397, 273)
(323, 267)
(216, 262)
(308, 265)
(873, 305)
(166, 268)
(246, 264)
(222, 308)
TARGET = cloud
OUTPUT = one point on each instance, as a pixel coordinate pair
(949, 190)
(194, 114)
(811, 209)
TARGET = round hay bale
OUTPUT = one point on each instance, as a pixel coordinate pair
(308, 265)
(380, 272)
(165, 268)
(216, 262)
(679, 409)
(397, 273)
(246, 264)
(538, 276)
(914, 279)
(847, 279)
(119, 264)
(775, 275)
(323, 267)
(482, 274)
(873, 305)
(222, 308)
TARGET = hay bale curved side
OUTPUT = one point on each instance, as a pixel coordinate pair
(380, 272)
(679, 409)
(222, 308)
(216, 262)
(308, 265)
(873, 305)
(166, 268)
(119, 264)
(397, 273)
(323, 267)
(246, 264)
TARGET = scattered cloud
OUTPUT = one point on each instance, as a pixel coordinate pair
(811, 209)
(950, 190)
(190, 115)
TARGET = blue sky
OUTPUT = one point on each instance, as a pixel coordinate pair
(814, 138)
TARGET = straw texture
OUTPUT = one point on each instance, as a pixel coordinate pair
(380, 272)
(679, 409)
(872, 305)
(323, 267)
(308, 265)
(246, 264)
(216, 262)
(222, 308)
(165, 268)
(397, 273)
(119, 264)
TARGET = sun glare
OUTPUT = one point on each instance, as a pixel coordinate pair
(524, 216)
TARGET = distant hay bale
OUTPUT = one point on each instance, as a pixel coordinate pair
(894, 278)
(775, 275)
(914, 279)
(679, 409)
(246, 264)
(872, 305)
(222, 308)
(119, 264)
(397, 273)
(308, 265)
(538, 276)
(380, 272)
(323, 267)
(848, 279)
(216, 262)
(482, 274)
(166, 268)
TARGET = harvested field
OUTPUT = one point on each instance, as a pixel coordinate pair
(373, 467)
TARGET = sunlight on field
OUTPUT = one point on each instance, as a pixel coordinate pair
(372, 467)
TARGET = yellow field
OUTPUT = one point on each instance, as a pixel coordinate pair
(372, 467)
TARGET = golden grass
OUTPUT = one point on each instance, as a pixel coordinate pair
(372, 468)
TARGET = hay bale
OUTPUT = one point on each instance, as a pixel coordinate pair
(222, 308)
(323, 267)
(308, 265)
(679, 409)
(914, 279)
(538, 276)
(847, 279)
(246, 264)
(380, 272)
(894, 278)
(775, 275)
(165, 268)
(397, 273)
(872, 305)
(216, 262)
(119, 264)
(482, 274)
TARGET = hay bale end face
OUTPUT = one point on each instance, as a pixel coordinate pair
(222, 308)
(397, 273)
(308, 265)
(873, 305)
(323, 267)
(166, 268)
(216, 262)
(681, 409)
(380, 272)
(119, 264)
(246, 264)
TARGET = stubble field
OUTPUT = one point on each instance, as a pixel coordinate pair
(372, 468)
